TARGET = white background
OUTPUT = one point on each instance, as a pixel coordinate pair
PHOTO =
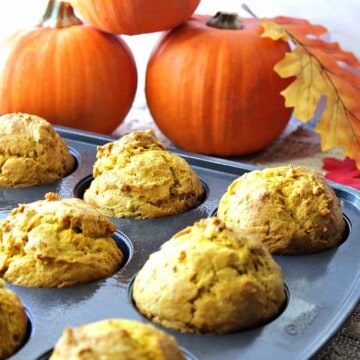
(340, 17)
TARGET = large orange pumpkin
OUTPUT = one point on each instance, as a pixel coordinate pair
(133, 17)
(69, 73)
(211, 87)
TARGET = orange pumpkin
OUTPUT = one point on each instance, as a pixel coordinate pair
(133, 17)
(211, 88)
(68, 73)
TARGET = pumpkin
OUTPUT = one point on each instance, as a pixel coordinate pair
(211, 88)
(133, 17)
(69, 73)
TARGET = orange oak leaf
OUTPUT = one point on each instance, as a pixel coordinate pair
(321, 70)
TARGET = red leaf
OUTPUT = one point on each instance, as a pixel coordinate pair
(342, 171)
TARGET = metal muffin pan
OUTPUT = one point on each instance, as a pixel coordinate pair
(323, 289)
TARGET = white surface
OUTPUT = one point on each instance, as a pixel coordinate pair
(340, 17)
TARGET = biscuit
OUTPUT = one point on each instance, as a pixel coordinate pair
(13, 322)
(136, 177)
(31, 152)
(291, 209)
(209, 278)
(116, 339)
(56, 243)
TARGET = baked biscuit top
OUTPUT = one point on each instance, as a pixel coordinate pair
(31, 151)
(57, 242)
(136, 177)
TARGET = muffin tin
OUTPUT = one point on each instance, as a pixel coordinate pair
(323, 289)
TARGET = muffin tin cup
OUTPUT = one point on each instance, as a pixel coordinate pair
(323, 289)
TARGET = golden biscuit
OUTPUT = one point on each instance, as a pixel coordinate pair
(116, 339)
(209, 278)
(291, 209)
(13, 322)
(31, 152)
(136, 177)
(56, 243)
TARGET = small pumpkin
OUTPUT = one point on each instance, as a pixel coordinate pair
(132, 17)
(69, 73)
(211, 88)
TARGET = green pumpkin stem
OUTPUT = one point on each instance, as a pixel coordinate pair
(59, 14)
(223, 20)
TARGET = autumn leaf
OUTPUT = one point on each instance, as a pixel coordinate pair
(342, 171)
(321, 69)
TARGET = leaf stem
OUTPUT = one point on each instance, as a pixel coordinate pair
(326, 72)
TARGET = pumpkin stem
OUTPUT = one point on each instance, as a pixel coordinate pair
(59, 14)
(223, 20)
